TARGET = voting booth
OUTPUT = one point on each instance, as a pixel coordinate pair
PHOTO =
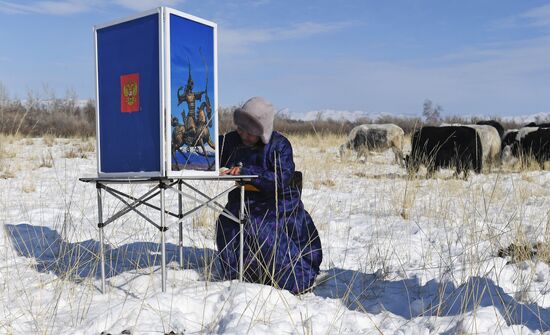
(157, 125)
(156, 87)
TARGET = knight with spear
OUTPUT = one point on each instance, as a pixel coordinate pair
(190, 97)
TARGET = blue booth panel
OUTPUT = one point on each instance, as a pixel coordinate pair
(128, 79)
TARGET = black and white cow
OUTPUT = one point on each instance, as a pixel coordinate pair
(534, 143)
(375, 137)
(455, 147)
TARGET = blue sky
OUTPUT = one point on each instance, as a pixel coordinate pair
(472, 57)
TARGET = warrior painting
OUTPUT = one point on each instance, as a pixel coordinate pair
(194, 133)
(190, 97)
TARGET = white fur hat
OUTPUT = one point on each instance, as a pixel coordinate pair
(256, 117)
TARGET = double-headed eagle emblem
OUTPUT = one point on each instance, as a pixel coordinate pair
(130, 92)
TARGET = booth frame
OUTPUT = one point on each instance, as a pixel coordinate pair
(159, 187)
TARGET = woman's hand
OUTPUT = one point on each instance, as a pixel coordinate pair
(234, 171)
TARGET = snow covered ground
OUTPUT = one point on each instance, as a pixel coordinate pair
(401, 255)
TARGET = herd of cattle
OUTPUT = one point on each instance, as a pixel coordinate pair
(461, 147)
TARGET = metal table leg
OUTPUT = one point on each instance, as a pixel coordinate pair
(180, 215)
(162, 237)
(101, 236)
(241, 236)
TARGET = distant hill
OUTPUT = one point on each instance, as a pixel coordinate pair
(353, 116)
(337, 115)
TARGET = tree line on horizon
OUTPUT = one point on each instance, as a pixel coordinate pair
(66, 117)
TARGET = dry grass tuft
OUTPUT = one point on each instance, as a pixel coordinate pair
(326, 182)
(408, 196)
(87, 146)
(10, 138)
(28, 187)
(543, 247)
(46, 160)
(203, 221)
(74, 153)
(523, 164)
(517, 252)
(5, 153)
(71, 153)
(520, 249)
(543, 251)
(49, 139)
(6, 170)
(7, 174)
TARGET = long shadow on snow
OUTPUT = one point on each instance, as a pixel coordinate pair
(81, 259)
(409, 299)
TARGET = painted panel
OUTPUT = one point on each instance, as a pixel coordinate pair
(192, 91)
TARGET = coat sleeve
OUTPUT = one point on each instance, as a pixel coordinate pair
(226, 144)
(279, 168)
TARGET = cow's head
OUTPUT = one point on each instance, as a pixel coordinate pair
(507, 155)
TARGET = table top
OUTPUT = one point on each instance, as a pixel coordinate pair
(127, 180)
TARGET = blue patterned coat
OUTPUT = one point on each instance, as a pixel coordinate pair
(281, 244)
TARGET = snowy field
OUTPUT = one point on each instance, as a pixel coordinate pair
(401, 255)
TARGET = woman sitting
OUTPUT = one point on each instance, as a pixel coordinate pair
(281, 244)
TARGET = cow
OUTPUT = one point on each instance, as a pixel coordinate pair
(490, 141)
(375, 137)
(532, 142)
(495, 124)
(457, 147)
(512, 148)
